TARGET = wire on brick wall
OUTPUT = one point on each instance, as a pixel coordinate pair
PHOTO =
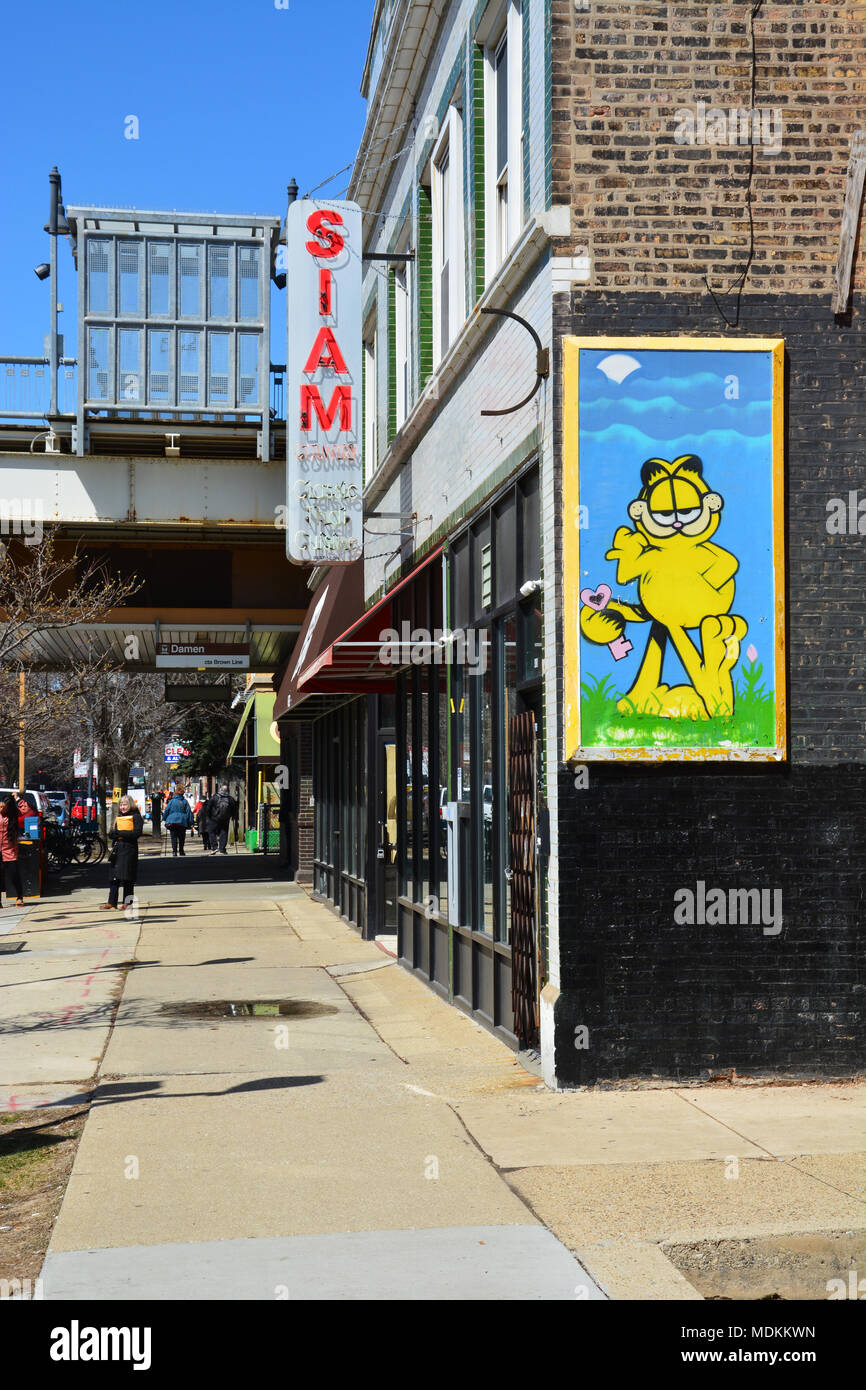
(741, 278)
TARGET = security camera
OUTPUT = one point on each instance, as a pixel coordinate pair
(531, 587)
(43, 271)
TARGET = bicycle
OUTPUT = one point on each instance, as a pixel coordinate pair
(92, 847)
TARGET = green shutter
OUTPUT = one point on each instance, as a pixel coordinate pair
(478, 164)
(392, 354)
(425, 285)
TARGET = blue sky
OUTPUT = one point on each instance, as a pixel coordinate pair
(233, 97)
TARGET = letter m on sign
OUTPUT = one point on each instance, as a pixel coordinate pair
(341, 400)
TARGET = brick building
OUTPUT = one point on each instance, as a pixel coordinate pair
(567, 171)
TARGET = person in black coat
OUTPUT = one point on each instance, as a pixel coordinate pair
(124, 833)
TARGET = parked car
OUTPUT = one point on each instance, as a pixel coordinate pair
(58, 806)
(38, 800)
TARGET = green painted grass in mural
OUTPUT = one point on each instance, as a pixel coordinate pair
(752, 725)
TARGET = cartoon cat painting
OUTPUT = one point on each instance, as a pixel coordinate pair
(685, 584)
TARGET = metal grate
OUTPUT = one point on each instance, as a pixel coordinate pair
(522, 813)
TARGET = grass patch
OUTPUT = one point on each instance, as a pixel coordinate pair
(752, 725)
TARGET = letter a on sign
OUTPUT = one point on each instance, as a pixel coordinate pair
(324, 428)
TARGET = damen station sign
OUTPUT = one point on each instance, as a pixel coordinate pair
(202, 656)
(323, 389)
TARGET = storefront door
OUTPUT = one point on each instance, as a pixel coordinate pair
(522, 828)
(386, 845)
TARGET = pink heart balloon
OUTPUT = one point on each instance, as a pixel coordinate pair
(598, 598)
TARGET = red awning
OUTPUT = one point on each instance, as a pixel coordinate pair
(338, 600)
(354, 661)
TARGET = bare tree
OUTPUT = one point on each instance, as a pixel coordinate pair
(43, 590)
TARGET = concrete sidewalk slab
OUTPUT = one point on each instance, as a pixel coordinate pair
(827, 1118)
(19, 1099)
(148, 1041)
(636, 1270)
(223, 1157)
(660, 1201)
(57, 1001)
(488, 1263)
(597, 1127)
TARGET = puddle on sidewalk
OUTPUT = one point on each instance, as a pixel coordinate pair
(812, 1267)
(254, 1008)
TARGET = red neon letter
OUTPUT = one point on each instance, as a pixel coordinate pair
(326, 285)
(341, 399)
(325, 353)
(329, 244)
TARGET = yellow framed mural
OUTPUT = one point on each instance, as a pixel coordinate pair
(673, 549)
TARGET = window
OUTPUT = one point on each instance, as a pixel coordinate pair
(128, 263)
(448, 267)
(218, 281)
(401, 344)
(129, 364)
(370, 454)
(503, 159)
(248, 368)
(248, 281)
(190, 280)
(158, 278)
(189, 369)
(159, 352)
(97, 277)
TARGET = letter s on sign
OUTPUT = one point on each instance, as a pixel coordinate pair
(329, 243)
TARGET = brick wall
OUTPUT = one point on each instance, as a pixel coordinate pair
(678, 1002)
(658, 214)
(683, 1001)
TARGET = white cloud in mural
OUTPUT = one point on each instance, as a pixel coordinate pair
(618, 366)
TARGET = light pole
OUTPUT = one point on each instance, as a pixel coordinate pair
(56, 226)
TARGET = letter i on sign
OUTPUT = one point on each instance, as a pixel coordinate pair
(326, 293)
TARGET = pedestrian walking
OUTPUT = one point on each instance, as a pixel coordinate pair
(156, 812)
(222, 809)
(123, 858)
(10, 871)
(178, 819)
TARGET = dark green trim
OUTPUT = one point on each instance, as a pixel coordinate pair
(478, 190)
(392, 353)
(424, 264)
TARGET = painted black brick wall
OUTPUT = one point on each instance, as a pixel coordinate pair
(680, 1001)
(676, 1001)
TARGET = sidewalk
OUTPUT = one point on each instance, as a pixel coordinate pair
(369, 1141)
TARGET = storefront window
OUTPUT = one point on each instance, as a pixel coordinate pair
(510, 709)
(441, 716)
(421, 779)
(488, 782)
(532, 642)
(406, 750)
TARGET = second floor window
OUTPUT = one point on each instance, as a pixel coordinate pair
(448, 265)
(370, 441)
(503, 156)
(401, 344)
